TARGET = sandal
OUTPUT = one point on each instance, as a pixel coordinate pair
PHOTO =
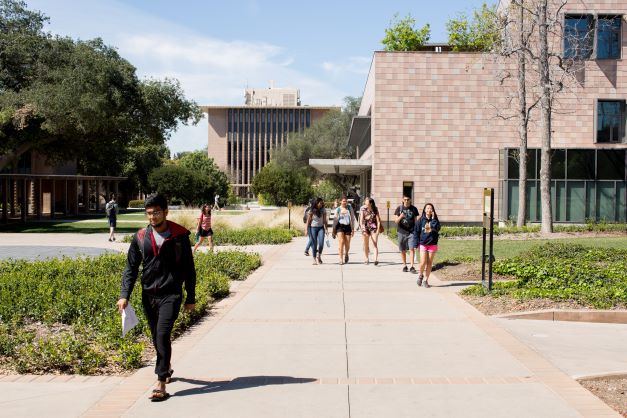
(159, 395)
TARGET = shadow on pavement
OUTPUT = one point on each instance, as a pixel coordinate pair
(237, 384)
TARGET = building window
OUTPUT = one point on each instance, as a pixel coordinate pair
(608, 37)
(610, 121)
(578, 36)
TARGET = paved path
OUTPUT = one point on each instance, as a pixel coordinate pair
(297, 340)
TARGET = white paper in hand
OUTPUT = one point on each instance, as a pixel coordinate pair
(129, 319)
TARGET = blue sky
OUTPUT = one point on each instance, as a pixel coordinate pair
(216, 48)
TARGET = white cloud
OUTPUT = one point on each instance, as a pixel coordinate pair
(211, 70)
(348, 67)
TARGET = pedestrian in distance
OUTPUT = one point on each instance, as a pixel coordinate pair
(406, 215)
(112, 210)
(427, 229)
(343, 228)
(164, 250)
(216, 202)
(204, 228)
(316, 227)
(370, 226)
(307, 231)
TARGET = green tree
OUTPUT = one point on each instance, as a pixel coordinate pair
(481, 33)
(214, 181)
(327, 190)
(177, 182)
(140, 161)
(77, 100)
(281, 185)
(327, 138)
(402, 36)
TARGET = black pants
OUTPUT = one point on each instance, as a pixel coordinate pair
(161, 312)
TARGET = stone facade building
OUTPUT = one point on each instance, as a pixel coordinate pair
(432, 125)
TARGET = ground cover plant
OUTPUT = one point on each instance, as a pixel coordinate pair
(59, 315)
(591, 276)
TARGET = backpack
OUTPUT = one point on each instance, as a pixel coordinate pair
(110, 209)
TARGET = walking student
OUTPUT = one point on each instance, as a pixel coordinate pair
(307, 231)
(427, 229)
(164, 250)
(370, 225)
(343, 228)
(112, 210)
(204, 228)
(317, 229)
(406, 215)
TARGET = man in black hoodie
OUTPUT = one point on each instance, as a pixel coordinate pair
(164, 249)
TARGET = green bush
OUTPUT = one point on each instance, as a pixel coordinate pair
(136, 204)
(595, 277)
(251, 236)
(59, 315)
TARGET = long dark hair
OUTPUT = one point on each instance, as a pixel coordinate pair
(373, 206)
(206, 206)
(315, 209)
(435, 215)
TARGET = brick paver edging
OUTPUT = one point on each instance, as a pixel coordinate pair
(123, 396)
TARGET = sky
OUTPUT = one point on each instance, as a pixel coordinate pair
(217, 48)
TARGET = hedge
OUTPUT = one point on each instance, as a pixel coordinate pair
(59, 315)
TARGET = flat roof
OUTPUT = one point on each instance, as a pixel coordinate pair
(220, 107)
(351, 167)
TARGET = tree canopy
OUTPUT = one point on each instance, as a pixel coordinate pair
(77, 100)
(402, 36)
(214, 181)
(279, 185)
(479, 33)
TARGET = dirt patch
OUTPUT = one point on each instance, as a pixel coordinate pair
(612, 391)
(490, 305)
(457, 272)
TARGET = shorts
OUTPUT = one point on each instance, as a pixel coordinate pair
(430, 248)
(406, 240)
(113, 222)
(206, 232)
(344, 229)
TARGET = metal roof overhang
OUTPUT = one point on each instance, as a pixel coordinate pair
(359, 126)
(338, 166)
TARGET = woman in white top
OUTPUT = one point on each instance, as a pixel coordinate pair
(343, 228)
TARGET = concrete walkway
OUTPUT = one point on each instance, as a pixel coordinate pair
(296, 340)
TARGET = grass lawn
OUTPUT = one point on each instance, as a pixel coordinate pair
(450, 249)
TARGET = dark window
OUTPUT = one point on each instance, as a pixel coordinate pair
(580, 164)
(610, 120)
(610, 164)
(578, 36)
(608, 37)
(513, 162)
(558, 164)
(308, 119)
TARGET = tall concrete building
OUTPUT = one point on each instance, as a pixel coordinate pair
(241, 138)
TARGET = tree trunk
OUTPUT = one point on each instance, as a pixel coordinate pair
(522, 122)
(545, 111)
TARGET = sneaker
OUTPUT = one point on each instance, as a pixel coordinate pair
(405, 270)
(110, 240)
(346, 259)
(412, 270)
(319, 260)
(376, 262)
(307, 253)
(113, 238)
(419, 282)
(315, 262)
(426, 284)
